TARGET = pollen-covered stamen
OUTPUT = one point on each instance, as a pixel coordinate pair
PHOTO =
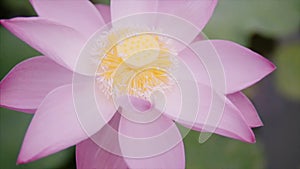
(135, 66)
(138, 51)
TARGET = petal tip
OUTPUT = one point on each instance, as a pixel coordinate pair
(24, 157)
(215, 2)
(8, 23)
(261, 124)
(258, 124)
(252, 138)
(20, 160)
(3, 22)
(253, 141)
(270, 67)
(273, 66)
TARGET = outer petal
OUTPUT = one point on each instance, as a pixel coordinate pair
(157, 144)
(90, 154)
(80, 15)
(54, 127)
(214, 114)
(30, 81)
(121, 8)
(196, 66)
(246, 108)
(59, 42)
(242, 67)
(196, 12)
(105, 12)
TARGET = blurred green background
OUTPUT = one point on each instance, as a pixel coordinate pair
(269, 27)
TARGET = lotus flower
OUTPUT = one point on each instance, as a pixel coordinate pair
(113, 80)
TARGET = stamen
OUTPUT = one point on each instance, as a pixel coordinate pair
(136, 65)
(138, 51)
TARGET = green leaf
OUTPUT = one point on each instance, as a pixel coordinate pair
(236, 20)
(287, 59)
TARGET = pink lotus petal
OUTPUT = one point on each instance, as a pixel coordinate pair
(60, 43)
(105, 12)
(26, 85)
(90, 154)
(93, 107)
(182, 20)
(215, 113)
(134, 103)
(196, 12)
(157, 144)
(246, 108)
(196, 66)
(121, 8)
(199, 37)
(242, 67)
(55, 126)
(54, 120)
(80, 15)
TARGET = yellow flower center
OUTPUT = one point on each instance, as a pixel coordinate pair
(138, 51)
(137, 65)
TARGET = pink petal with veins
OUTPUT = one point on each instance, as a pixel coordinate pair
(59, 42)
(80, 15)
(246, 108)
(26, 85)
